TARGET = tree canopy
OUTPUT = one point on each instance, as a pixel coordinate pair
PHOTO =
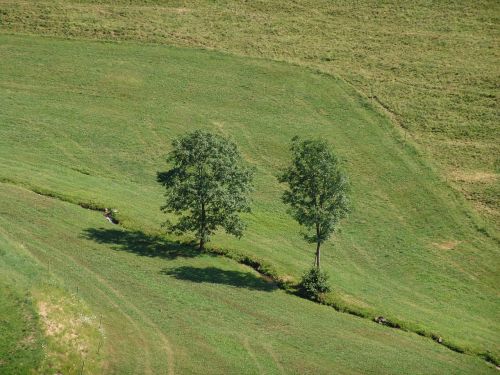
(317, 190)
(207, 186)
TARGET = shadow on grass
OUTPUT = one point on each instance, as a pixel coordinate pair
(139, 243)
(214, 275)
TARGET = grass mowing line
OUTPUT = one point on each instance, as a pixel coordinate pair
(164, 339)
(250, 352)
(147, 352)
(69, 329)
(267, 271)
(271, 353)
(119, 296)
(168, 348)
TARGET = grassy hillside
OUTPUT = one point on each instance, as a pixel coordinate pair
(43, 326)
(431, 65)
(20, 347)
(92, 122)
(177, 311)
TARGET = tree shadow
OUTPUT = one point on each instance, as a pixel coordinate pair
(165, 178)
(214, 275)
(140, 243)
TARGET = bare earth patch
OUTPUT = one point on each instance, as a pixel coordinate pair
(52, 327)
(447, 245)
(181, 10)
(70, 334)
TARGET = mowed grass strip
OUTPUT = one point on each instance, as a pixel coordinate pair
(432, 65)
(44, 328)
(20, 344)
(92, 122)
(175, 310)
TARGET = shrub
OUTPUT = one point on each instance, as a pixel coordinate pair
(314, 284)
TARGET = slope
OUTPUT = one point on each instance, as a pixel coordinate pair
(92, 122)
(431, 65)
(178, 311)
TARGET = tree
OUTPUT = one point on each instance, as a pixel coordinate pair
(317, 190)
(207, 186)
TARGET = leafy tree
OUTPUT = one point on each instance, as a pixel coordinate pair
(317, 190)
(207, 186)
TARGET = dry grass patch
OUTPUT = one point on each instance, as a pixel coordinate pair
(73, 335)
(474, 177)
(447, 245)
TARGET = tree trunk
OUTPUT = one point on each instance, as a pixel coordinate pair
(318, 244)
(202, 227)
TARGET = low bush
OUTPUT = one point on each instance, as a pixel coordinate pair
(314, 284)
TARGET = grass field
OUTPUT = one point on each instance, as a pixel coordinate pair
(432, 65)
(91, 122)
(182, 312)
(44, 328)
(20, 349)
(405, 93)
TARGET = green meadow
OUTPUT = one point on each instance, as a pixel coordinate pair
(89, 123)
(178, 311)
(432, 67)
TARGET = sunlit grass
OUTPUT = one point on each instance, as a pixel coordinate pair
(432, 65)
(169, 309)
(92, 122)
